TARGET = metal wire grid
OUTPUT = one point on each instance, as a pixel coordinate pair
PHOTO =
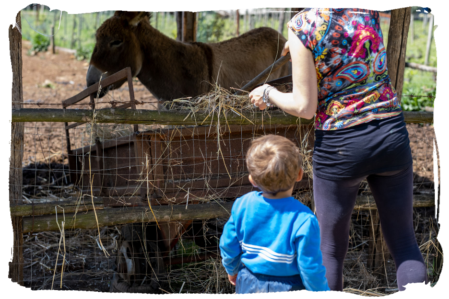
(195, 268)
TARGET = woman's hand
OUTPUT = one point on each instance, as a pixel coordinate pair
(256, 97)
(232, 279)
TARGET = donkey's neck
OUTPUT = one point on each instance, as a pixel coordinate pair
(163, 61)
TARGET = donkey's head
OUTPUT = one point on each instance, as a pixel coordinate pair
(117, 47)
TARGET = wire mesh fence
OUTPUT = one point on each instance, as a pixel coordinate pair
(180, 166)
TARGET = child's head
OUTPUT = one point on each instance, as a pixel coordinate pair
(274, 163)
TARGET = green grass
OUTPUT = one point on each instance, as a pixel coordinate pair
(419, 87)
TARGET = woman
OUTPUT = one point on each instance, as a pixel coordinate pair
(340, 77)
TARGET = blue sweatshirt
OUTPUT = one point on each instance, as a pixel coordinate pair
(278, 237)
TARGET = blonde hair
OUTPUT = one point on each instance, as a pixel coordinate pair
(274, 163)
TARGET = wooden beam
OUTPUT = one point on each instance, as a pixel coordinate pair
(116, 216)
(166, 213)
(48, 208)
(189, 24)
(15, 166)
(397, 46)
(421, 67)
(122, 116)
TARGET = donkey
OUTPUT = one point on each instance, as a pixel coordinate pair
(171, 69)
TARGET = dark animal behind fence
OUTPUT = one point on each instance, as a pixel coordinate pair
(171, 69)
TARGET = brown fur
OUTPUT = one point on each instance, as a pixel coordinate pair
(171, 69)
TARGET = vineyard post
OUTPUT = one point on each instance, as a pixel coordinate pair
(15, 166)
(72, 41)
(281, 21)
(237, 23)
(80, 27)
(429, 40)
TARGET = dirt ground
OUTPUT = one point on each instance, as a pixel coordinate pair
(47, 81)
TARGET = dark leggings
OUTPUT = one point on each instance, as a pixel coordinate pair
(393, 193)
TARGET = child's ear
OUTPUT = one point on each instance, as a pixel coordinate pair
(252, 181)
(300, 174)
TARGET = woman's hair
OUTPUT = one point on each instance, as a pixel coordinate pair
(274, 163)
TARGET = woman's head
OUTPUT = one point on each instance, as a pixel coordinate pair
(274, 163)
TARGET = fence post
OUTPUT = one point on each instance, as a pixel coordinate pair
(53, 49)
(429, 40)
(397, 46)
(237, 23)
(189, 25)
(281, 21)
(15, 167)
(178, 25)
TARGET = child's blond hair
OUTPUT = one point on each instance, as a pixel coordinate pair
(274, 163)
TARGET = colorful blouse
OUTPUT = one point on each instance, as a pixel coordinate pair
(351, 66)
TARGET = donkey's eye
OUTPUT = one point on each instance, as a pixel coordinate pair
(115, 43)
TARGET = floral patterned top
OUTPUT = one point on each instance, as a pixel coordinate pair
(351, 66)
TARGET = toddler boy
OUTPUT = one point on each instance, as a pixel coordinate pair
(271, 242)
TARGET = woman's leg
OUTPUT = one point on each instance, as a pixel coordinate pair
(393, 194)
(334, 202)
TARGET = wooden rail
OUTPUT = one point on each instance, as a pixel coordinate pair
(421, 67)
(167, 213)
(122, 116)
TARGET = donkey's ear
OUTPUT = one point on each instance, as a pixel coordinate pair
(133, 17)
(141, 16)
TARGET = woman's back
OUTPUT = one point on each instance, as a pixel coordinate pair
(351, 66)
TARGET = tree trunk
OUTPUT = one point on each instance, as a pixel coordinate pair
(281, 22)
(15, 167)
(397, 46)
(429, 40)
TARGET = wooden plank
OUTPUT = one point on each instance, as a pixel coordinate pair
(121, 116)
(397, 46)
(93, 89)
(15, 166)
(114, 216)
(48, 208)
(110, 217)
(106, 144)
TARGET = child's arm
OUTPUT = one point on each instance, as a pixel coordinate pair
(230, 248)
(310, 260)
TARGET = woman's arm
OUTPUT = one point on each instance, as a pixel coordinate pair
(304, 99)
